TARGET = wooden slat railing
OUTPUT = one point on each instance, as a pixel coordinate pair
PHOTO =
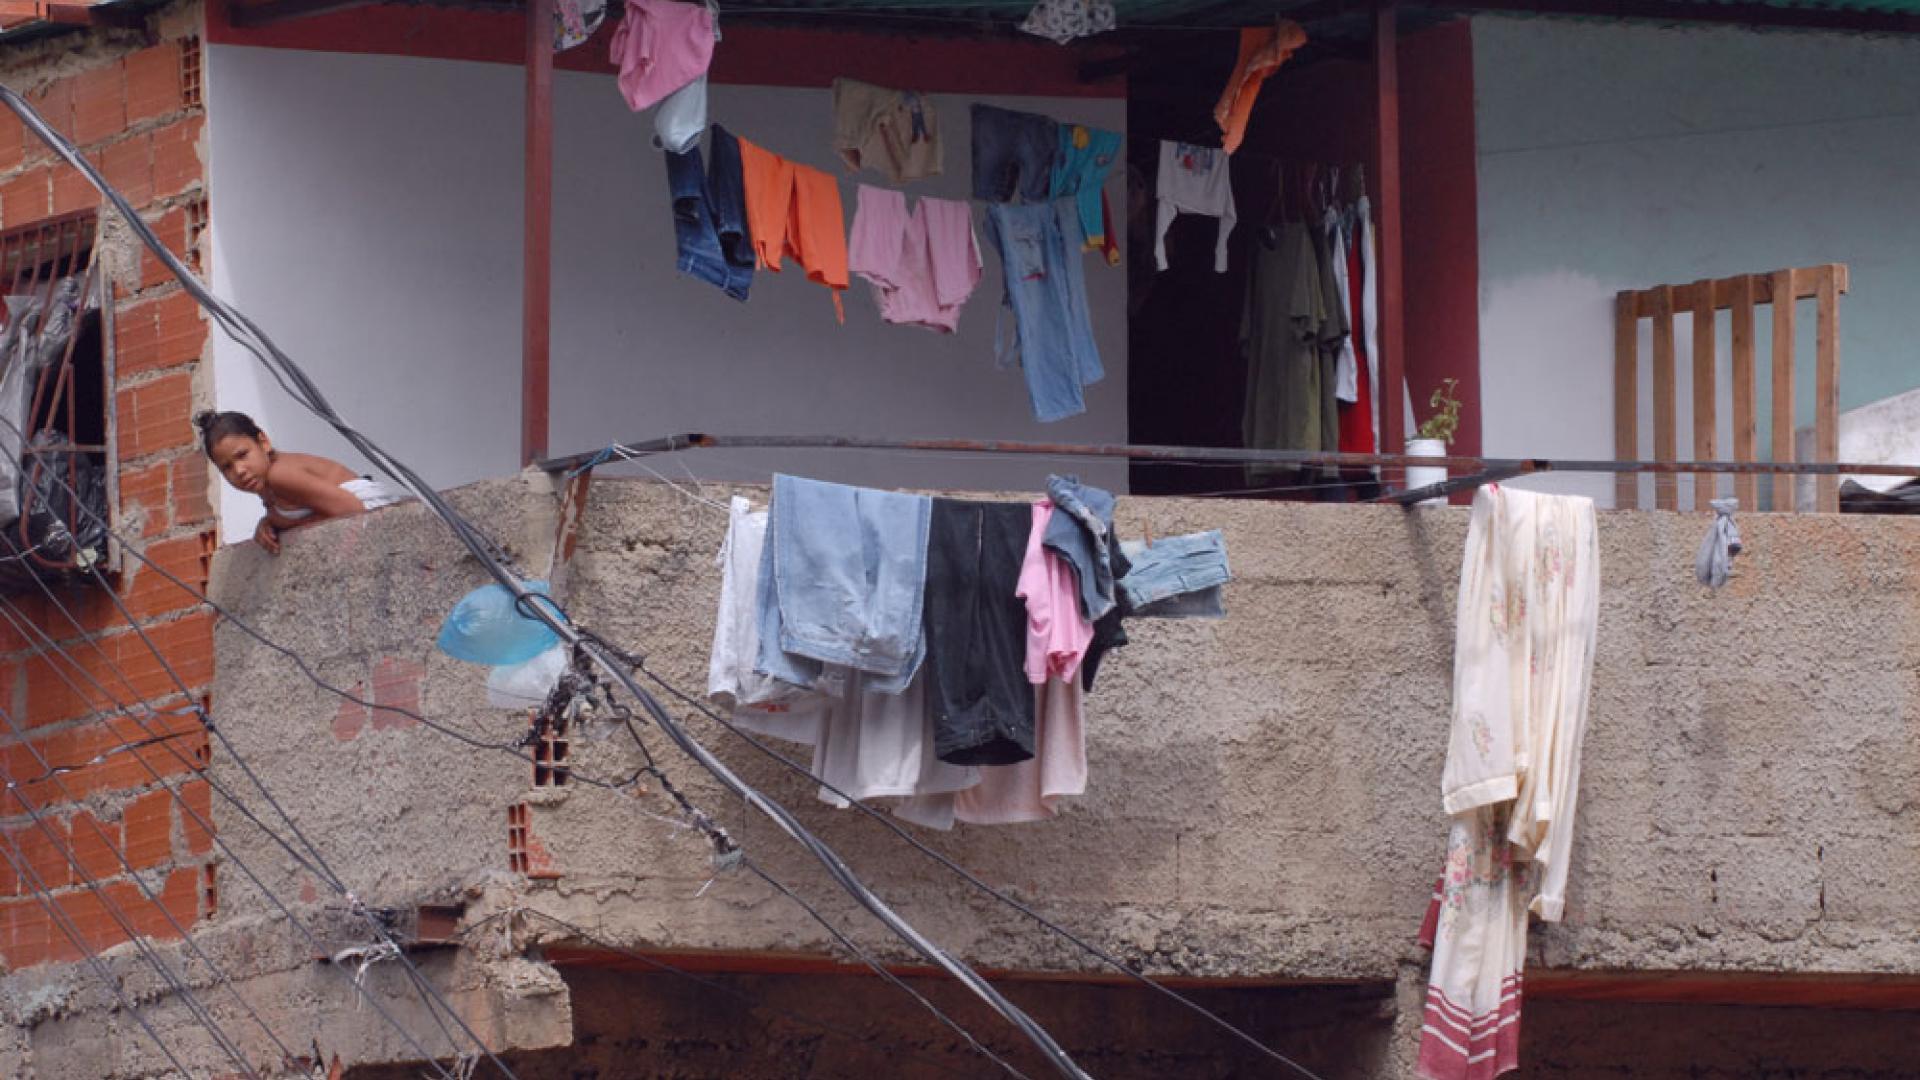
(1701, 301)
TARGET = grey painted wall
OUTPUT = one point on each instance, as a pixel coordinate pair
(1619, 156)
(368, 215)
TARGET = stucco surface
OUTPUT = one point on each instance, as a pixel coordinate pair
(1263, 804)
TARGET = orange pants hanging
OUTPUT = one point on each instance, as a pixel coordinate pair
(1262, 50)
(795, 210)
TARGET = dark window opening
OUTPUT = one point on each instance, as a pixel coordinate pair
(56, 405)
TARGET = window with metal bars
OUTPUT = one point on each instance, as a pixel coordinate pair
(56, 401)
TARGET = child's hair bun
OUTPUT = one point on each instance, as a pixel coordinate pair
(204, 419)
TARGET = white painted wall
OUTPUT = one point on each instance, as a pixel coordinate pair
(367, 213)
(1619, 156)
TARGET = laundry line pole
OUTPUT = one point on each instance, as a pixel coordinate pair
(536, 318)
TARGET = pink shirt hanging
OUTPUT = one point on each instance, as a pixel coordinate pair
(661, 46)
(1058, 633)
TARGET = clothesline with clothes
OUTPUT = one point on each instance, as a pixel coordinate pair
(743, 208)
(936, 653)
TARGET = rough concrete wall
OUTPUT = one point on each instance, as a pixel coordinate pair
(1264, 797)
(1264, 793)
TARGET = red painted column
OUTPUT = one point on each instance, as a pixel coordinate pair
(1393, 341)
(537, 249)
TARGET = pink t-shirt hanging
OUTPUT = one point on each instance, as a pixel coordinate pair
(1058, 633)
(661, 46)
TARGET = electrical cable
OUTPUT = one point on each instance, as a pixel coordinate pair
(300, 661)
(749, 1000)
(968, 876)
(20, 624)
(151, 956)
(299, 386)
(380, 931)
(23, 871)
(879, 968)
(192, 946)
(728, 853)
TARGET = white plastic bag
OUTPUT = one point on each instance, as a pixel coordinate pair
(526, 685)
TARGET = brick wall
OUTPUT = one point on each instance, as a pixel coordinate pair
(131, 101)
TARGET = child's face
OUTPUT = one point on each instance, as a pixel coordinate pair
(243, 460)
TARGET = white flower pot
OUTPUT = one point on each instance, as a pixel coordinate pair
(1419, 476)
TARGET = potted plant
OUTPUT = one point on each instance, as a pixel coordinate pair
(1431, 440)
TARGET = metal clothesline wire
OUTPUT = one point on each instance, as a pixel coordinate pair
(1213, 455)
(514, 749)
(580, 933)
(69, 848)
(24, 873)
(175, 982)
(860, 954)
(18, 621)
(489, 555)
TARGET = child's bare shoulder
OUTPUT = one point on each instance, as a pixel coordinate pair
(314, 465)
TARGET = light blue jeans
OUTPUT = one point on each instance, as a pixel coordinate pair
(1046, 289)
(1080, 533)
(842, 578)
(1176, 578)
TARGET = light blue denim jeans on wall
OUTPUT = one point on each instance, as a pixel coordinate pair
(842, 579)
(1176, 578)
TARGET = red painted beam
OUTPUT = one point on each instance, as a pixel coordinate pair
(1393, 317)
(537, 249)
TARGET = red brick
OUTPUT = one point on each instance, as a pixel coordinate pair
(145, 498)
(135, 328)
(127, 166)
(351, 718)
(178, 897)
(396, 685)
(31, 932)
(58, 691)
(125, 668)
(156, 416)
(54, 103)
(99, 103)
(150, 593)
(158, 333)
(192, 498)
(181, 334)
(131, 769)
(148, 828)
(96, 844)
(176, 157)
(13, 147)
(88, 915)
(153, 82)
(41, 853)
(199, 797)
(71, 191)
(171, 228)
(26, 198)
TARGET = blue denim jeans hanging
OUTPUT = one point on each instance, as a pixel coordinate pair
(1040, 260)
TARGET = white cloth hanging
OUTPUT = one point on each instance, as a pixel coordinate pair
(1523, 664)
